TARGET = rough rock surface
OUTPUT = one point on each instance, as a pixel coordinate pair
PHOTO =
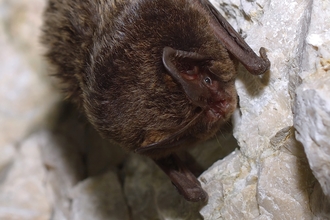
(26, 97)
(22, 191)
(269, 177)
(312, 103)
(53, 165)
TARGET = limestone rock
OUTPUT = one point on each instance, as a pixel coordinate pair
(269, 177)
(65, 169)
(22, 191)
(312, 103)
(284, 180)
(312, 121)
(99, 197)
(281, 180)
(26, 99)
(25, 94)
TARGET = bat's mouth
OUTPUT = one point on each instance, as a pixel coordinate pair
(219, 111)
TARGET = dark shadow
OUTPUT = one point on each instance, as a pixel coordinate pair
(79, 152)
(217, 148)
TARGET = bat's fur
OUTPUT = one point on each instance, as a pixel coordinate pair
(108, 55)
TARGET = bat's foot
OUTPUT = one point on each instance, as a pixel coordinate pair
(182, 178)
(263, 55)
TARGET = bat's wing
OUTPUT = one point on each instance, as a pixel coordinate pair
(234, 43)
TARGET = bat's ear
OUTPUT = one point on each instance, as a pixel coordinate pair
(187, 69)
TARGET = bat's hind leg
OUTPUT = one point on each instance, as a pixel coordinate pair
(182, 178)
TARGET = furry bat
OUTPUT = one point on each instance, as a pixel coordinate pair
(156, 76)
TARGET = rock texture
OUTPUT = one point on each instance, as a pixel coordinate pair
(312, 102)
(270, 176)
(53, 165)
(26, 97)
(22, 191)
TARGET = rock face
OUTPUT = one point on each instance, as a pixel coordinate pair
(270, 177)
(22, 191)
(26, 97)
(312, 102)
(53, 165)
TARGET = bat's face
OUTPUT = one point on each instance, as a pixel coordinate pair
(221, 98)
(208, 83)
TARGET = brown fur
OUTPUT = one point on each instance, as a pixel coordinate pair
(108, 54)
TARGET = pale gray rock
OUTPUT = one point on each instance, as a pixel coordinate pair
(22, 191)
(26, 97)
(25, 94)
(312, 121)
(100, 198)
(265, 101)
(218, 182)
(312, 103)
(270, 176)
(65, 169)
(284, 180)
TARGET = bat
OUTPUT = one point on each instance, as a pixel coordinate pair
(155, 76)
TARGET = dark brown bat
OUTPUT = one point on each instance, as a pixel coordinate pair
(156, 76)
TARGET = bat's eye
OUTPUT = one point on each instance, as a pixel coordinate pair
(208, 80)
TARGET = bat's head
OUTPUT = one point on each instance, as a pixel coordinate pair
(208, 83)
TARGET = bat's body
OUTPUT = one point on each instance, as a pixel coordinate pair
(153, 75)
